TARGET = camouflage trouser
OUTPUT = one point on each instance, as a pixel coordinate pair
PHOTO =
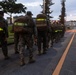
(16, 41)
(42, 38)
(3, 44)
(25, 40)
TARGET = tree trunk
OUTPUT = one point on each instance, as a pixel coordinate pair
(10, 18)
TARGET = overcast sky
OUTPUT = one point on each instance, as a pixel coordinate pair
(34, 6)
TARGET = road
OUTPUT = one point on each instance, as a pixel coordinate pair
(45, 64)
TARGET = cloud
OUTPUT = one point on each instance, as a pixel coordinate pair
(70, 9)
(34, 7)
(69, 6)
(32, 4)
(56, 9)
(71, 17)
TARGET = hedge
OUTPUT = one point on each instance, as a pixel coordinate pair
(11, 35)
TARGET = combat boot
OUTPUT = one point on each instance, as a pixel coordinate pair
(22, 63)
(16, 52)
(39, 52)
(31, 60)
(52, 44)
(6, 58)
(44, 51)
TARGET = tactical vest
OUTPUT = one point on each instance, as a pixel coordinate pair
(23, 25)
(41, 22)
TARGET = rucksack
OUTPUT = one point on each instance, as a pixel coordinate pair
(41, 22)
(23, 24)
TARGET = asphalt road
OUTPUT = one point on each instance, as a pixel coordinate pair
(45, 64)
(69, 66)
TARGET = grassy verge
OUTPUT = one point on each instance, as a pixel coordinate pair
(10, 39)
(11, 35)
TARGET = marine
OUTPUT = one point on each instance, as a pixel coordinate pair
(42, 29)
(3, 35)
(26, 29)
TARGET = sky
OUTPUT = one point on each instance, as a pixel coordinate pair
(34, 7)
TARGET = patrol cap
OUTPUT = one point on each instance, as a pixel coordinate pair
(29, 13)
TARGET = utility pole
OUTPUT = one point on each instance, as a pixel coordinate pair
(44, 1)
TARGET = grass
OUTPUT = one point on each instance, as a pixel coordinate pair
(10, 39)
(11, 35)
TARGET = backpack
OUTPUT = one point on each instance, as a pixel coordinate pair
(41, 22)
(23, 24)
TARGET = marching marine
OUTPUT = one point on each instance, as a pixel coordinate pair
(42, 29)
(25, 27)
(3, 35)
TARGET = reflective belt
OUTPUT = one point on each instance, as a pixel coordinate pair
(41, 19)
(1, 29)
(58, 30)
(20, 24)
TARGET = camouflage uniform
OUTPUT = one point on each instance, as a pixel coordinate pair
(50, 36)
(16, 41)
(57, 32)
(25, 38)
(42, 33)
(53, 33)
(3, 34)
